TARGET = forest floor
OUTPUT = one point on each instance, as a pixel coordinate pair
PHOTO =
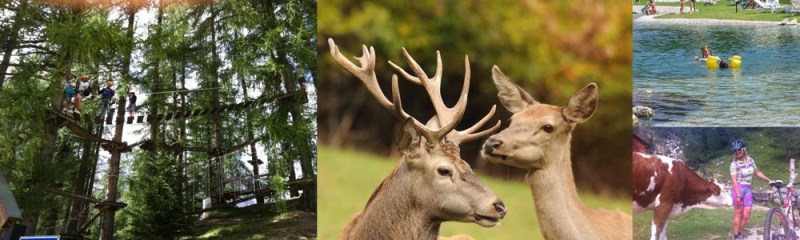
(256, 222)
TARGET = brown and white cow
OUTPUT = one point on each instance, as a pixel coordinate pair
(671, 188)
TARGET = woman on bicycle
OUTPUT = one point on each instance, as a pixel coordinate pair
(742, 169)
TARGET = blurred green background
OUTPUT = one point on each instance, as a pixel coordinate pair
(550, 48)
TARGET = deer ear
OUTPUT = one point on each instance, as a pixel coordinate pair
(408, 143)
(512, 96)
(582, 104)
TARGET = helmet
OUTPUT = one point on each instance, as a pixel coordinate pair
(84, 77)
(737, 144)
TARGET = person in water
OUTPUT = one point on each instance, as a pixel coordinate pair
(723, 64)
(705, 51)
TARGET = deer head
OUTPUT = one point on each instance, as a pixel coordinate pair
(537, 130)
(431, 180)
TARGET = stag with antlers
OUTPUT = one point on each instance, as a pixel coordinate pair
(431, 183)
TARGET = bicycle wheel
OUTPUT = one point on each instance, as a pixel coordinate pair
(775, 226)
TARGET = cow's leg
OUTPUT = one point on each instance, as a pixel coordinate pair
(660, 216)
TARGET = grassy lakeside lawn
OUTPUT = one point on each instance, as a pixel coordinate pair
(347, 178)
(724, 10)
(699, 224)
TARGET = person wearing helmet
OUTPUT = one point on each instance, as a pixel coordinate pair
(84, 89)
(69, 94)
(106, 99)
(742, 169)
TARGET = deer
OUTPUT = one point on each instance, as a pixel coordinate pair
(538, 140)
(430, 184)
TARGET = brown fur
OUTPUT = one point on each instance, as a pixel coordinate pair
(431, 183)
(538, 139)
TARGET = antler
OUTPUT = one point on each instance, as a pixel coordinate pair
(446, 118)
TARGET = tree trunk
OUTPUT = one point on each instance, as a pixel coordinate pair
(308, 201)
(254, 161)
(52, 219)
(12, 41)
(80, 186)
(107, 230)
(220, 174)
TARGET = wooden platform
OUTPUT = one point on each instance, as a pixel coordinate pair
(143, 118)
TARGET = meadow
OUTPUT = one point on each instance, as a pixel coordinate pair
(349, 177)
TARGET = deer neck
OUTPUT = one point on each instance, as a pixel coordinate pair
(560, 211)
(394, 214)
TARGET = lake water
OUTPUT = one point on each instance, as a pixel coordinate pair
(765, 91)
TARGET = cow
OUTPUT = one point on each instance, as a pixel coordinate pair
(671, 188)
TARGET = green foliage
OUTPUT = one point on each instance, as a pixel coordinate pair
(154, 210)
(279, 188)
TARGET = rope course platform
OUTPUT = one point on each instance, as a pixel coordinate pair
(263, 191)
(76, 118)
(149, 145)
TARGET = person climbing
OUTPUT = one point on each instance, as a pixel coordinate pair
(132, 104)
(84, 90)
(106, 96)
(69, 93)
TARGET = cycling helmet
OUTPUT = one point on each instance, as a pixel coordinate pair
(737, 144)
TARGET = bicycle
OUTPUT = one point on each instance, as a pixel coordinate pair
(782, 222)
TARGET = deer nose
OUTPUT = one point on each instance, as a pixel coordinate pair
(491, 144)
(500, 208)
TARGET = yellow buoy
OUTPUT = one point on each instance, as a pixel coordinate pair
(712, 62)
(735, 61)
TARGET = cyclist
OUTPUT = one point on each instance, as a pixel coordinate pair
(742, 169)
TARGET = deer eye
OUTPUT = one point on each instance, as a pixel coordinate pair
(548, 128)
(443, 171)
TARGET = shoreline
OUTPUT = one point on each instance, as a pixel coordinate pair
(640, 19)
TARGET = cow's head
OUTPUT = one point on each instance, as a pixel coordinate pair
(720, 197)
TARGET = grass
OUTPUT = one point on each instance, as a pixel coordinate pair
(724, 10)
(255, 222)
(698, 224)
(347, 178)
(717, 224)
